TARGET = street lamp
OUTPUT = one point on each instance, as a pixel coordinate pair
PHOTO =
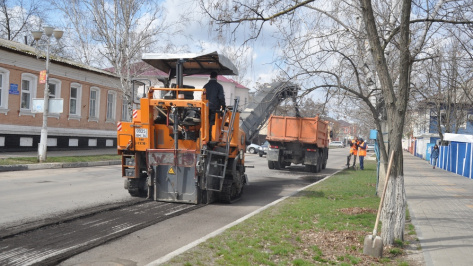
(43, 143)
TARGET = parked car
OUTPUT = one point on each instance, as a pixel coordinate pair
(263, 149)
(253, 148)
(370, 147)
(336, 144)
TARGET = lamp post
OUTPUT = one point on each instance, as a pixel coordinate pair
(43, 143)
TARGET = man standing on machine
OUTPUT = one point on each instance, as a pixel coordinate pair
(216, 97)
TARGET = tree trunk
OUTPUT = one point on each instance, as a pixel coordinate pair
(393, 213)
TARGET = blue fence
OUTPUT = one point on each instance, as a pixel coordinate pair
(456, 157)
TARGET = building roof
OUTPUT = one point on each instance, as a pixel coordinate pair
(32, 51)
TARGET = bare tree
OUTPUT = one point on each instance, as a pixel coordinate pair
(18, 18)
(360, 51)
(114, 33)
(443, 87)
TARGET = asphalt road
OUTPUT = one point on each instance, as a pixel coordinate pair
(31, 195)
(27, 196)
(154, 242)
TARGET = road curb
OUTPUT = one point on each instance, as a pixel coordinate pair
(217, 232)
(39, 166)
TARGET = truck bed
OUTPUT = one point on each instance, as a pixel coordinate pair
(298, 129)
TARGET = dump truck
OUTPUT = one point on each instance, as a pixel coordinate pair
(297, 140)
(169, 152)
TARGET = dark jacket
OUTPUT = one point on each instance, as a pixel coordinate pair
(215, 94)
(435, 153)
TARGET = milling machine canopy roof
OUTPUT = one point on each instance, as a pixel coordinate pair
(192, 63)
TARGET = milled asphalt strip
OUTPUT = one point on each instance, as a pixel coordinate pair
(221, 230)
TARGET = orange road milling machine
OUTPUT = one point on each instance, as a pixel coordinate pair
(167, 153)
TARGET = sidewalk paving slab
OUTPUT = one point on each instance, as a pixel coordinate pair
(441, 207)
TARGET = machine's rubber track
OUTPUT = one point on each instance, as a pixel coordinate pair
(136, 192)
(228, 195)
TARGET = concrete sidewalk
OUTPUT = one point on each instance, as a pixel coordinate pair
(60, 153)
(441, 207)
(109, 151)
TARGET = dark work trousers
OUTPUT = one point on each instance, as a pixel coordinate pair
(362, 158)
(211, 121)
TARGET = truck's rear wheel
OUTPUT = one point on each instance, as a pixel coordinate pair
(270, 164)
(319, 163)
(282, 164)
(276, 164)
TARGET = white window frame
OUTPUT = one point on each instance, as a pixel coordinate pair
(96, 104)
(77, 115)
(125, 110)
(5, 81)
(33, 79)
(111, 114)
(56, 95)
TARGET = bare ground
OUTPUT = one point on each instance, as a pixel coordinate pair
(347, 246)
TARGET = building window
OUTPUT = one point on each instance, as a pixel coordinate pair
(74, 101)
(54, 88)
(28, 92)
(25, 94)
(125, 112)
(462, 118)
(54, 93)
(443, 117)
(94, 104)
(4, 81)
(470, 118)
(111, 104)
(1, 87)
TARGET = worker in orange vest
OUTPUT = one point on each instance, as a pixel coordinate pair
(353, 151)
(362, 153)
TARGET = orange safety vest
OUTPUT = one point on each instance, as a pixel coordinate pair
(353, 149)
(362, 151)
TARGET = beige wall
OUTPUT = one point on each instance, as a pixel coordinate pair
(31, 123)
